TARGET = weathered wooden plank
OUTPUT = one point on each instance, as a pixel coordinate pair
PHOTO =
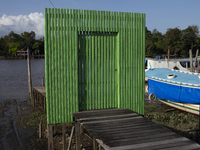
(41, 90)
(111, 136)
(141, 140)
(118, 124)
(125, 136)
(142, 145)
(123, 128)
(104, 112)
(124, 131)
(150, 135)
(111, 120)
(171, 145)
(107, 117)
(183, 147)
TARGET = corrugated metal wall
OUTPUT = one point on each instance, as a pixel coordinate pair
(93, 60)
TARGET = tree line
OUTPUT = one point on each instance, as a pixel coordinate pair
(9, 44)
(180, 41)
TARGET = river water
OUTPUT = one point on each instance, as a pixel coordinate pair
(15, 110)
(14, 77)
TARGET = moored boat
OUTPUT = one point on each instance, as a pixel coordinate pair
(174, 63)
(180, 89)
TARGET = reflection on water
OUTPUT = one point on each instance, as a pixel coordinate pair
(14, 77)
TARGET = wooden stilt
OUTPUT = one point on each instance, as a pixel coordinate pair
(64, 136)
(55, 129)
(42, 81)
(50, 137)
(44, 105)
(29, 77)
(197, 53)
(78, 138)
(40, 128)
(191, 62)
(94, 144)
(81, 130)
(99, 147)
(70, 139)
(40, 100)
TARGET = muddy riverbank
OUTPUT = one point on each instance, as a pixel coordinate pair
(19, 126)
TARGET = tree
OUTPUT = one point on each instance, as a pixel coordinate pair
(29, 39)
(37, 46)
(172, 39)
(157, 38)
(2, 46)
(149, 45)
(13, 47)
(9, 41)
(189, 40)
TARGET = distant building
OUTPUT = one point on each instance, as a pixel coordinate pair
(22, 52)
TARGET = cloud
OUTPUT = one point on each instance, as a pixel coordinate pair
(19, 24)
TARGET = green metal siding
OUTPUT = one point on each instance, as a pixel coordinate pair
(97, 70)
(93, 60)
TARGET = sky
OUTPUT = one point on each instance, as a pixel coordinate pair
(28, 15)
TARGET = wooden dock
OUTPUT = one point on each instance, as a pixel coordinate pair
(121, 129)
(39, 94)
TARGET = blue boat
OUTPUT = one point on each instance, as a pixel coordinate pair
(176, 88)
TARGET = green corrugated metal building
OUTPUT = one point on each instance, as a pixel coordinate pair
(93, 60)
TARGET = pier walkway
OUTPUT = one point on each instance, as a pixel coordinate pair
(121, 129)
(39, 94)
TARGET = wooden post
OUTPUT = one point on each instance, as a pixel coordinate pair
(55, 129)
(40, 128)
(81, 130)
(42, 81)
(197, 53)
(168, 55)
(29, 78)
(64, 136)
(94, 144)
(191, 62)
(44, 105)
(99, 147)
(50, 137)
(78, 138)
(70, 139)
(198, 68)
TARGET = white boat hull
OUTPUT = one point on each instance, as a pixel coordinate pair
(191, 108)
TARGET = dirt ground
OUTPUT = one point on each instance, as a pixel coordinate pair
(181, 122)
(19, 125)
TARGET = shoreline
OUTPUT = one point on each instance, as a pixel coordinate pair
(24, 57)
